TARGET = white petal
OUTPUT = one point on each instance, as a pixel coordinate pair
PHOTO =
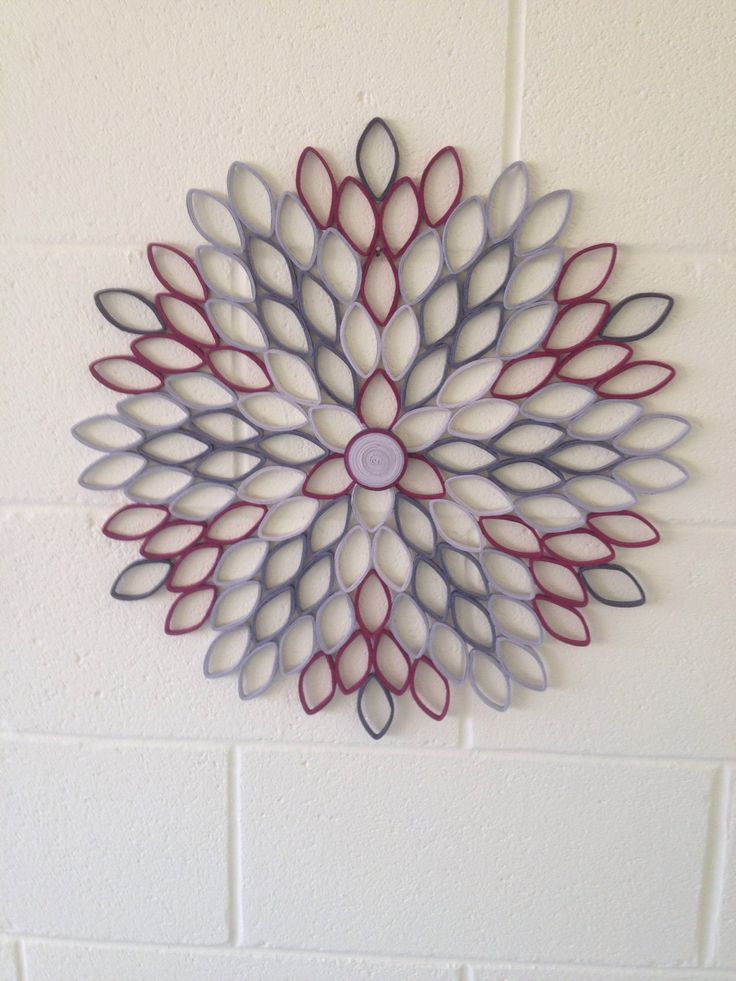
(359, 338)
(400, 342)
(421, 428)
(470, 382)
(334, 425)
(372, 507)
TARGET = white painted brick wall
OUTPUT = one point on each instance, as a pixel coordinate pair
(156, 829)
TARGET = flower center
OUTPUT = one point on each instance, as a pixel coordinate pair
(375, 459)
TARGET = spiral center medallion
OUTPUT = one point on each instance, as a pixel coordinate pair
(375, 459)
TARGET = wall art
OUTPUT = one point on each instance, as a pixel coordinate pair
(379, 436)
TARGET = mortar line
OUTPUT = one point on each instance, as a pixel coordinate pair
(20, 961)
(289, 746)
(514, 87)
(235, 870)
(638, 972)
(714, 874)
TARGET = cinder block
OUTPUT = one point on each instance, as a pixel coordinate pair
(656, 679)
(52, 335)
(624, 102)
(84, 663)
(8, 962)
(170, 101)
(114, 842)
(48, 962)
(696, 340)
(481, 857)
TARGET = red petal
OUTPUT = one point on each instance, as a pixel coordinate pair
(234, 523)
(379, 402)
(327, 479)
(309, 675)
(559, 580)
(641, 532)
(397, 243)
(354, 654)
(391, 663)
(606, 387)
(430, 216)
(372, 603)
(594, 283)
(418, 685)
(168, 303)
(206, 595)
(326, 207)
(524, 376)
(575, 630)
(132, 512)
(512, 535)
(211, 553)
(191, 530)
(379, 291)
(244, 372)
(361, 235)
(200, 293)
(555, 340)
(421, 479)
(573, 367)
(165, 342)
(151, 381)
(574, 547)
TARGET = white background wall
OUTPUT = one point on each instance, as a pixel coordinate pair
(153, 826)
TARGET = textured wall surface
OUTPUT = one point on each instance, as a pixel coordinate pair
(155, 828)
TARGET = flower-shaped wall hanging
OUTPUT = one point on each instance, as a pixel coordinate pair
(379, 436)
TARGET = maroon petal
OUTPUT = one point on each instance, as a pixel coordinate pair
(109, 372)
(512, 535)
(203, 558)
(423, 675)
(235, 523)
(186, 319)
(581, 547)
(361, 235)
(567, 335)
(160, 254)
(191, 608)
(421, 479)
(625, 529)
(135, 521)
(320, 664)
(559, 580)
(353, 662)
(241, 370)
(430, 211)
(321, 205)
(565, 290)
(610, 387)
(379, 402)
(400, 218)
(372, 603)
(328, 479)
(524, 376)
(594, 363)
(563, 622)
(391, 663)
(379, 290)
